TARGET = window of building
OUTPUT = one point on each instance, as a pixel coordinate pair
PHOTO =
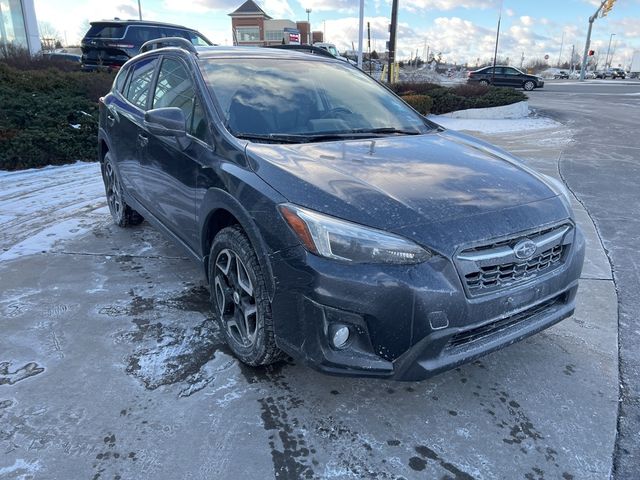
(12, 26)
(248, 34)
(274, 35)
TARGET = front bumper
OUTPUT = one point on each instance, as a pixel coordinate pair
(408, 322)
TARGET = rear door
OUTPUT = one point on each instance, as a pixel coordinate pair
(170, 166)
(128, 122)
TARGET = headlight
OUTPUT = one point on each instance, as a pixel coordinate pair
(341, 240)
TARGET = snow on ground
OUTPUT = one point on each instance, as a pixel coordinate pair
(40, 207)
(494, 125)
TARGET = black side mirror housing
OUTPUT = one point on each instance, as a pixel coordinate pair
(166, 122)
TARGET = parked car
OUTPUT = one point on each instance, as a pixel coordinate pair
(615, 73)
(562, 74)
(333, 222)
(505, 76)
(63, 56)
(109, 44)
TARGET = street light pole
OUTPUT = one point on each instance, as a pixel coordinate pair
(561, 46)
(308, 10)
(606, 60)
(495, 53)
(587, 44)
(360, 33)
(139, 10)
(392, 39)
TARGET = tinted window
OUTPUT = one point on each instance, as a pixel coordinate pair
(175, 89)
(138, 90)
(197, 39)
(118, 85)
(105, 30)
(511, 71)
(140, 35)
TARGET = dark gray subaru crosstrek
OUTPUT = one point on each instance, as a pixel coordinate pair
(333, 222)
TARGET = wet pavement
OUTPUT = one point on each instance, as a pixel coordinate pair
(111, 367)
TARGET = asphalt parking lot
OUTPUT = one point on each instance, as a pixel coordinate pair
(111, 367)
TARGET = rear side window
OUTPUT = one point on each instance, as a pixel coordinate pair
(138, 90)
(139, 35)
(175, 89)
(105, 30)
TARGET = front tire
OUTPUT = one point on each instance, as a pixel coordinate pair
(240, 300)
(484, 83)
(123, 215)
(529, 85)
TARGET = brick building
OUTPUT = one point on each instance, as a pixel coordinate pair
(252, 26)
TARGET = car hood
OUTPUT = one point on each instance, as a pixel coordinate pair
(393, 182)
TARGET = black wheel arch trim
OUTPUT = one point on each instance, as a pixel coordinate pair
(217, 199)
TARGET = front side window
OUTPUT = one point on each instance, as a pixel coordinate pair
(266, 96)
(175, 89)
(138, 90)
(248, 34)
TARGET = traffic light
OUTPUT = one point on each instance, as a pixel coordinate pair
(592, 53)
(607, 7)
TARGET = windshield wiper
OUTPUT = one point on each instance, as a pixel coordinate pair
(272, 137)
(390, 130)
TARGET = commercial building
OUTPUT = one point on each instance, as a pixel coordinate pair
(253, 26)
(18, 25)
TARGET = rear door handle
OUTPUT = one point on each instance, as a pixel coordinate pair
(143, 140)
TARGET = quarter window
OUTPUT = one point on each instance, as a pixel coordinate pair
(138, 90)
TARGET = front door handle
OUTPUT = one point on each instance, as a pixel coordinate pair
(143, 140)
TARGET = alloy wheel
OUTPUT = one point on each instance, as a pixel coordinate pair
(234, 295)
(113, 191)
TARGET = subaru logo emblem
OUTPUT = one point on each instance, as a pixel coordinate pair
(524, 249)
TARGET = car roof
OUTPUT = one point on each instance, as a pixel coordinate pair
(258, 52)
(143, 23)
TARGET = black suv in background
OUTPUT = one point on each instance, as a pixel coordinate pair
(109, 44)
(505, 77)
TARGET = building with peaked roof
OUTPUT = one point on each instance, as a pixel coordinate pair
(253, 26)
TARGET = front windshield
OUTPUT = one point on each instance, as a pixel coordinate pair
(276, 97)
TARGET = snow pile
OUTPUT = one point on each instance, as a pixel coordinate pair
(494, 125)
(40, 207)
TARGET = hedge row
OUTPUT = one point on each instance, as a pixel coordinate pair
(48, 116)
(462, 97)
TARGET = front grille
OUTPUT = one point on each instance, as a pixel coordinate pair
(495, 276)
(476, 335)
(495, 266)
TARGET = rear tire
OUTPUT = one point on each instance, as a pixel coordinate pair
(240, 300)
(123, 215)
(529, 85)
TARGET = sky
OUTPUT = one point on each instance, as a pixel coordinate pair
(462, 31)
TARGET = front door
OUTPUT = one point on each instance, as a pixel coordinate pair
(170, 165)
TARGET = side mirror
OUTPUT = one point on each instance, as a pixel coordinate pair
(166, 122)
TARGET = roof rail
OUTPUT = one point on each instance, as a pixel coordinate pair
(168, 42)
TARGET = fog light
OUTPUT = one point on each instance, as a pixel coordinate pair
(340, 336)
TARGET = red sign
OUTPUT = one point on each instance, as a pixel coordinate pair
(294, 38)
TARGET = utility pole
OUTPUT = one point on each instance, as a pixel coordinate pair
(587, 44)
(521, 60)
(613, 52)
(308, 10)
(360, 33)
(392, 38)
(369, 46)
(139, 10)
(573, 53)
(495, 53)
(606, 60)
(561, 46)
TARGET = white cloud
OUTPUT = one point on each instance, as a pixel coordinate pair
(526, 20)
(342, 6)
(449, 4)
(510, 12)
